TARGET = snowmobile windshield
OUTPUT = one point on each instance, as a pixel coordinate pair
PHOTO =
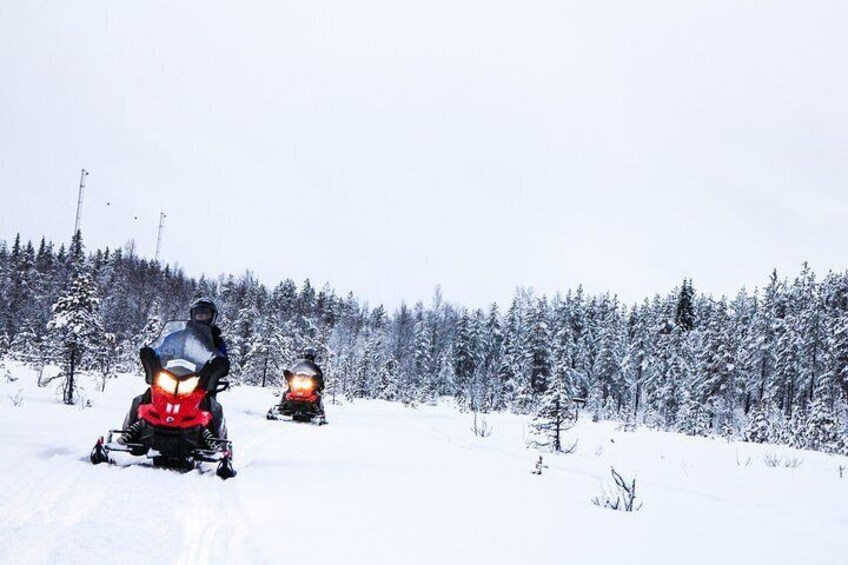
(304, 368)
(185, 347)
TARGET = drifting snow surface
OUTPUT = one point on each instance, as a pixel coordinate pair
(388, 484)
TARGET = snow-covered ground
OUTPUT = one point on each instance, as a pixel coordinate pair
(388, 484)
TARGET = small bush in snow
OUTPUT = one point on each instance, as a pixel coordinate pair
(774, 460)
(628, 426)
(539, 466)
(18, 399)
(481, 427)
(621, 496)
(841, 470)
(739, 462)
(792, 462)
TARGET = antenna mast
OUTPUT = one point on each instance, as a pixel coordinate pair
(162, 217)
(83, 174)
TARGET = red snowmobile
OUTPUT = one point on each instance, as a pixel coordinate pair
(302, 401)
(184, 369)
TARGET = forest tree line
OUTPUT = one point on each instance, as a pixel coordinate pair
(768, 365)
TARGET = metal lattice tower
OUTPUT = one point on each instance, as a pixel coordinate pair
(83, 174)
(162, 217)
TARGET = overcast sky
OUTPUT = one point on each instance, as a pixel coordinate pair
(388, 146)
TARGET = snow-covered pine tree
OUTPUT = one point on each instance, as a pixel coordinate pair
(684, 315)
(822, 429)
(244, 331)
(269, 351)
(368, 367)
(105, 358)
(4, 343)
(422, 364)
(812, 328)
(284, 300)
(609, 361)
(150, 332)
(788, 354)
(832, 383)
(464, 358)
(693, 418)
(307, 300)
(764, 339)
(716, 369)
(511, 364)
(637, 360)
(490, 350)
(75, 330)
(388, 380)
(26, 346)
(555, 415)
(584, 332)
(538, 347)
(759, 427)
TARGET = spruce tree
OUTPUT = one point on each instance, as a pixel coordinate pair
(822, 430)
(554, 416)
(26, 346)
(75, 330)
(759, 427)
(463, 357)
(684, 315)
(4, 343)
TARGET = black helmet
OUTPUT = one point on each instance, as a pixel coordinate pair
(309, 355)
(204, 311)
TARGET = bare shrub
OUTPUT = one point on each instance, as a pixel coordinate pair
(739, 463)
(539, 466)
(570, 449)
(620, 496)
(792, 462)
(772, 459)
(481, 427)
(18, 399)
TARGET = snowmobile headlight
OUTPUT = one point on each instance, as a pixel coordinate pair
(166, 382)
(302, 383)
(187, 386)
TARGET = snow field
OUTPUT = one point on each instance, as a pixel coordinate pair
(384, 483)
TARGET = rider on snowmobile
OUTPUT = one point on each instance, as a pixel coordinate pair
(308, 360)
(202, 311)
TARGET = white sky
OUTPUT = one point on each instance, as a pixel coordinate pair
(388, 146)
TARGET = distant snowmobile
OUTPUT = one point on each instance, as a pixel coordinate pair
(302, 401)
(183, 367)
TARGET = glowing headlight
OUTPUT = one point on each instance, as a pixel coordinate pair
(302, 383)
(187, 386)
(166, 382)
(169, 384)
